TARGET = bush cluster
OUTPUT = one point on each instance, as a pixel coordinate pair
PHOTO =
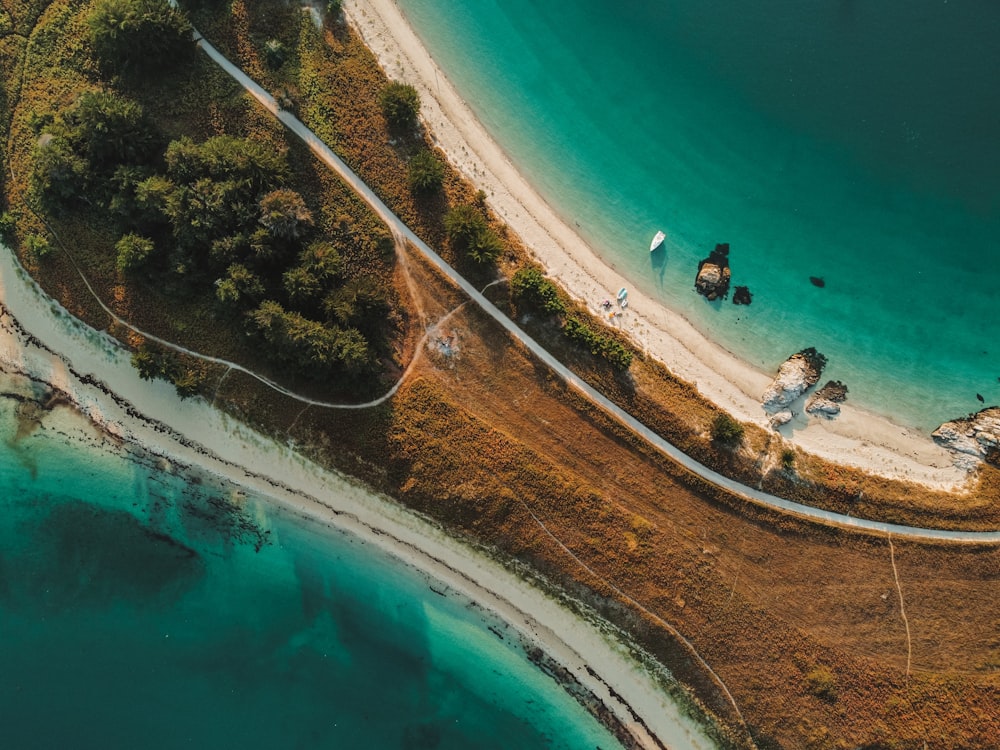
(598, 344)
(531, 289)
(470, 233)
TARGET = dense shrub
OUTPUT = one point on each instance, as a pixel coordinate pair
(469, 232)
(132, 251)
(598, 344)
(400, 104)
(139, 37)
(425, 172)
(726, 430)
(530, 288)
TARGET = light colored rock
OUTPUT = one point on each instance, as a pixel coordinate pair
(822, 406)
(972, 438)
(782, 417)
(827, 400)
(796, 375)
(712, 280)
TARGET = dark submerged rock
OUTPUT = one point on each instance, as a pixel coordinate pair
(817, 281)
(742, 296)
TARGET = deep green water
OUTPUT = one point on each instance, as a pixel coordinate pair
(138, 608)
(854, 141)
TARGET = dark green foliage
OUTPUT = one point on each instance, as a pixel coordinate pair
(400, 104)
(108, 130)
(225, 157)
(274, 53)
(132, 251)
(284, 214)
(8, 225)
(317, 270)
(240, 287)
(425, 173)
(37, 246)
(359, 303)
(787, 459)
(470, 233)
(726, 430)
(95, 151)
(58, 174)
(531, 289)
(598, 344)
(334, 7)
(153, 361)
(212, 197)
(312, 348)
(139, 37)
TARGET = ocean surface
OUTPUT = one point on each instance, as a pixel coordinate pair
(856, 142)
(146, 606)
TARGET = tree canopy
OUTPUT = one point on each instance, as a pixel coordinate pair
(400, 104)
(139, 37)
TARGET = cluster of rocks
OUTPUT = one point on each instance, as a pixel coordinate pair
(798, 374)
(827, 400)
(972, 439)
(713, 276)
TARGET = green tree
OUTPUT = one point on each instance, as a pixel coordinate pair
(400, 104)
(139, 37)
(463, 224)
(8, 226)
(529, 287)
(313, 349)
(470, 233)
(284, 214)
(274, 53)
(359, 302)
(239, 287)
(58, 174)
(726, 430)
(107, 130)
(132, 251)
(425, 173)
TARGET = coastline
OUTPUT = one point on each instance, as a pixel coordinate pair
(96, 375)
(856, 438)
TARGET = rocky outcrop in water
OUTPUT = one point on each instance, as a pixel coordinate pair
(972, 439)
(827, 400)
(742, 296)
(713, 274)
(796, 375)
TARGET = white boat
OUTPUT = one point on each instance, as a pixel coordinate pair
(657, 241)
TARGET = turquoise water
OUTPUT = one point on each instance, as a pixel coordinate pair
(857, 142)
(160, 609)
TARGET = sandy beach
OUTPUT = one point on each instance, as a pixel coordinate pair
(41, 340)
(856, 437)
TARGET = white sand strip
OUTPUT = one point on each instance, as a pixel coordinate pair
(856, 438)
(97, 373)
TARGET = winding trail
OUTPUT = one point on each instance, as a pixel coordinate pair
(403, 232)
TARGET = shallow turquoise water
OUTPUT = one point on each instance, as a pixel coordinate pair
(857, 142)
(139, 609)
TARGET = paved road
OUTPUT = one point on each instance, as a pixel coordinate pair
(402, 231)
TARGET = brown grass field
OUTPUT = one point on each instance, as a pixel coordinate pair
(803, 624)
